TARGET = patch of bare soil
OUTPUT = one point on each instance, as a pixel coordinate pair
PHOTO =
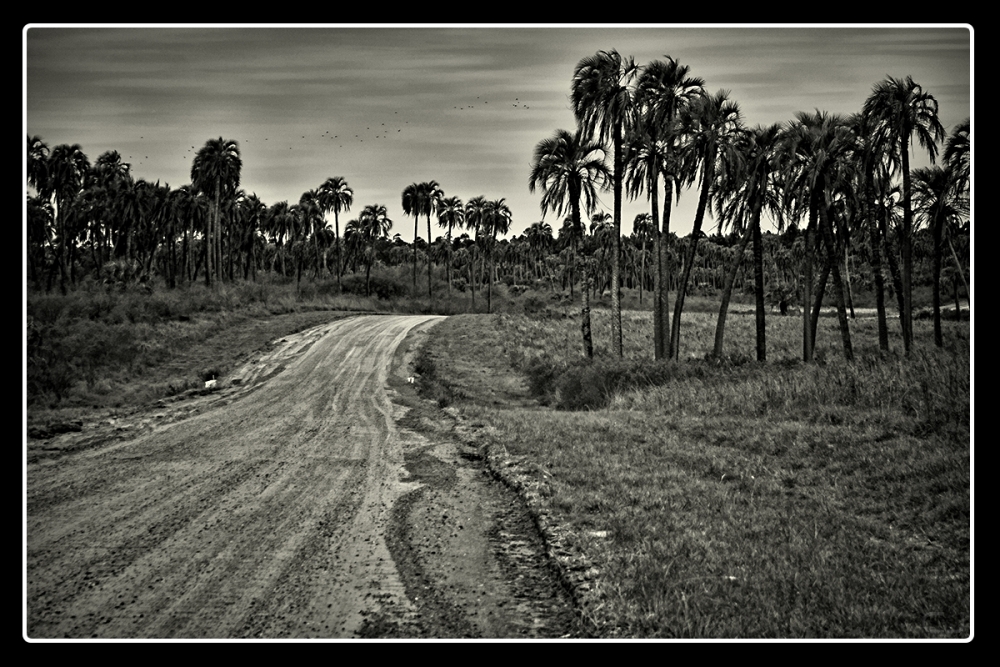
(297, 499)
(467, 549)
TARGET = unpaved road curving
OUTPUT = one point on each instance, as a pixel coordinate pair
(307, 499)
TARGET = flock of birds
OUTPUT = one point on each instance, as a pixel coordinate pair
(382, 131)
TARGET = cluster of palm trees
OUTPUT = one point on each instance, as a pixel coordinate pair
(843, 183)
(99, 215)
(836, 176)
(485, 219)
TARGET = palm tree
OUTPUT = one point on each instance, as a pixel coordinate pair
(280, 224)
(336, 196)
(37, 158)
(820, 150)
(432, 196)
(898, 109)
(252, 212)
(872, 173)
(66, 168)
(451, 214)
(745, 193)
(568, 167)
(936, 200)
(496, 222)
(716, 126)
(602, 100)
(664, 90)
(412, 206)
(216, 170)
(373, 224)
(957, 157)
(312, 209)
(475, 221)
(421, 199)
(643, 230)
(540, 241)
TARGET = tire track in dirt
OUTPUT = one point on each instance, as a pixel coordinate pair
(263, 516)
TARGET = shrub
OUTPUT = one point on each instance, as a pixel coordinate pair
(383, 287)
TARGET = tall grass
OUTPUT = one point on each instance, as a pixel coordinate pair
(739, 499)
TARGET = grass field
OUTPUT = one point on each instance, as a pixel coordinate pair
(694, 499)
(742, 500)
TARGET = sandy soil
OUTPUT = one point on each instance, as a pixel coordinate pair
(314, 495)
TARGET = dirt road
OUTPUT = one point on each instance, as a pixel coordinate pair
(292, 504)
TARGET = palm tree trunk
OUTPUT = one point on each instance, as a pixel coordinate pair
(675, 333)
(838, 285)
(661, 305)
(588, 341)
(758, 274)
(883, 329)
(958, 267)
(807, 285)
(336, 241)
(937, 229)
(727, 291)
(489, 278)
(817, 307)
(890, 258)
(472, 276)
(847, 278)
(616, 249)
(416, 225)
(642, 268)
(213, 217)
(906, 249)
(430, 291)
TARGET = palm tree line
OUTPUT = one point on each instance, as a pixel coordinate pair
(840, 186)
(841, 179)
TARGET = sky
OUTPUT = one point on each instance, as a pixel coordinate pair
(385, 106)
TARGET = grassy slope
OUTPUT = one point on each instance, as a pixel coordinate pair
(784, 501)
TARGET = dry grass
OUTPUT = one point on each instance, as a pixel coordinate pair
(744, 499)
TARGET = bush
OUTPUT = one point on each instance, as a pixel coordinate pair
(588, 384)
(383, 287)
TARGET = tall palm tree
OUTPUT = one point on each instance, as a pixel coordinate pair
(39, 234)
(336, 195)
(421, 199)
(279, 224)
(373, 224)
(412, 202)
(432, 196)
(643, 230)
(66, 167)
(602, 99)
(475, 221)
(745, 193)
(37, 163)
(936, 200)
(216, 172)
(496, 222)
(451, 214)
(899, 109)
(567, 167)
(664, 89)
(820, 153)
(873, 171)
(958, 158)
(252, 212)
(312, 209)
(715, 128)
(540, 241)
